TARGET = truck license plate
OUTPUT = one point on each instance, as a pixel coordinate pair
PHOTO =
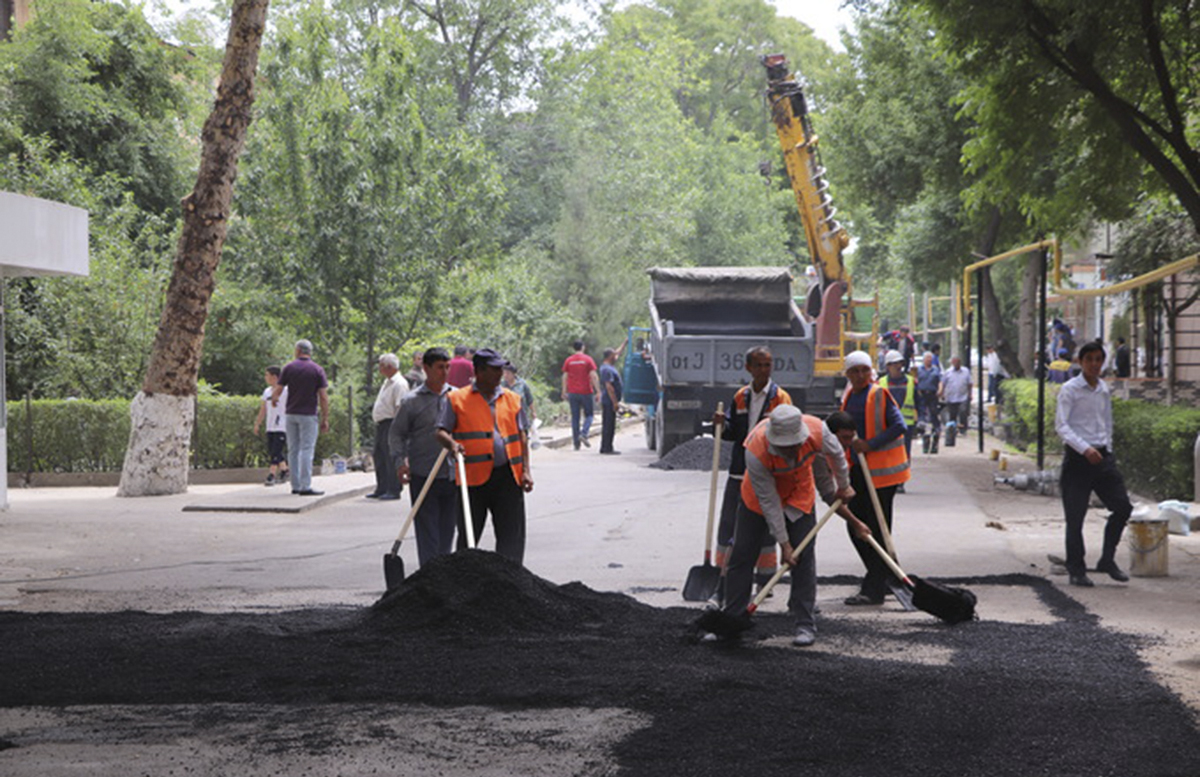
(683, 404)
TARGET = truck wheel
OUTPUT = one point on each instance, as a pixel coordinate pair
(651, 425)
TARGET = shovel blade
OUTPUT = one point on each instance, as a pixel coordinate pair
(393, 571)
(903, 595)
(701, 583)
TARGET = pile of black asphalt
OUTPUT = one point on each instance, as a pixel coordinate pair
(1065, 698)
(694, 454)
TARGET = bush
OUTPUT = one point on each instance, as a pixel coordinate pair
(91, 436)
(1154, 444)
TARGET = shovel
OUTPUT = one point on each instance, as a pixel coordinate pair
(468, 523)
(702, 580)
(952, 605)
(723, 624)
(393, 565)
(902, 594)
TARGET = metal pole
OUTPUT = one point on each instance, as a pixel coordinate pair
(980, 348)
(28, 437)
(350, 418)
(1133, 338)
(1041, 378)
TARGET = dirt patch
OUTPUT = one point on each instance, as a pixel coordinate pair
(475, 632)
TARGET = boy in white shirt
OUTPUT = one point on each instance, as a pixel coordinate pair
(273, 412)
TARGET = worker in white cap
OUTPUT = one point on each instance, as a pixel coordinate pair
(880, 428)
(778, 497)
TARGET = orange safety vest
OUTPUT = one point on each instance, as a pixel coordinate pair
(475, 427)
(888, 465)
(793, 479)
(776, 396)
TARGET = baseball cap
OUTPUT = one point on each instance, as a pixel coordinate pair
(486, 357)
(786, 427)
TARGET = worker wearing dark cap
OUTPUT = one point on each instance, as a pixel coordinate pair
(485, 422)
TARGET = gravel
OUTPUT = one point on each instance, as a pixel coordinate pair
(1068, 699)
(694, 455)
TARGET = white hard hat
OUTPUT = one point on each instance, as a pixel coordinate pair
(857, 359)
(786, 427)
(893, 357)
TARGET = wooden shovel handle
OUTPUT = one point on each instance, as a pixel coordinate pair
(891, 562)
(883, 527)
(796, 551)
(712, 486)
(468, 524)
(420, 500)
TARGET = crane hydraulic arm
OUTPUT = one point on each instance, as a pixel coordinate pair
(826, 237)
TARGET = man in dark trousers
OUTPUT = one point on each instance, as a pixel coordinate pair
(750, 405)
(485, 423)
(1084, 422)
(610, 396)
(580, 384)
(414, 447)
(307, 394)
(1123, 364)
(387, 405)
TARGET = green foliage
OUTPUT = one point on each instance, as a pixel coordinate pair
(97, 82)
(1153, 444)
(91, 436)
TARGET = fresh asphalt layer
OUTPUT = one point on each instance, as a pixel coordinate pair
(482, 667)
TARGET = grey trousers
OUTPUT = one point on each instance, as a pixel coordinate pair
(749, 534)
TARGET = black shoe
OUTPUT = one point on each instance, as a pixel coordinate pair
(388, 497)
(577, 445)
(861, 599)
(610, 453)
(309, 492)
(1081, 580)
(376, 495)
(900, 489)
(586, 444)
(1113, 571)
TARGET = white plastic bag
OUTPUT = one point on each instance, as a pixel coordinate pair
(1179, 519)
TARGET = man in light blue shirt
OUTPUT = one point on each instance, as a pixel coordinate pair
(1084, 422)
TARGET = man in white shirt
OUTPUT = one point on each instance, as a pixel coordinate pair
(955, 391)
(387, 404)
(996, 373)
(1084, 422)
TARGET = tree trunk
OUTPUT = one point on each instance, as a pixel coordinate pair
(991, 305)
(156, 461)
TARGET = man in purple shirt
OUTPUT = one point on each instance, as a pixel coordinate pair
(307, 391)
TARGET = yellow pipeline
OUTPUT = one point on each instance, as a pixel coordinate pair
(965, 307)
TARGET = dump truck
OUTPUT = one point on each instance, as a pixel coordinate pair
(703, 320)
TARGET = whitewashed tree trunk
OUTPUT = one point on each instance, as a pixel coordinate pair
(156, 461)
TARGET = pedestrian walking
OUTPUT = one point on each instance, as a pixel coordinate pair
(610, 398)
(484, 422)
(955, 391)
(880, 438)
(387, 404)
(929, 382)
(581, 387)
(996, 373)
(1083, 419)
(307, 410)
(1123, 360)
(414, 447)
(462, 369)
(272, 411)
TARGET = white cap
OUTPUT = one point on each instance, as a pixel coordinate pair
(893, 357)
(786, 427)
(857, 359)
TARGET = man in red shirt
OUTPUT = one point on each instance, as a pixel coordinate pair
(462, 371)
(581, 387)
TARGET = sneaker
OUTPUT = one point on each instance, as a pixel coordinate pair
(309, 492)
(270, 480)
(577, 445)
(283, 476)
(586, 443)
(804, 637)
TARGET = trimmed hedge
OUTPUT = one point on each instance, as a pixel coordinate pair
(1154, 443)
(91, 436)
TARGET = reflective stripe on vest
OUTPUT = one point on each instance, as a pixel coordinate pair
(776, 396)
(474, 428)
(793, 480)
(909, 409)
(888, 465)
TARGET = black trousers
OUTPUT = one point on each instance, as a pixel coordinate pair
(504, 499)
(874, 584)
(608, 425)
(1079, 480)
(386, 481)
